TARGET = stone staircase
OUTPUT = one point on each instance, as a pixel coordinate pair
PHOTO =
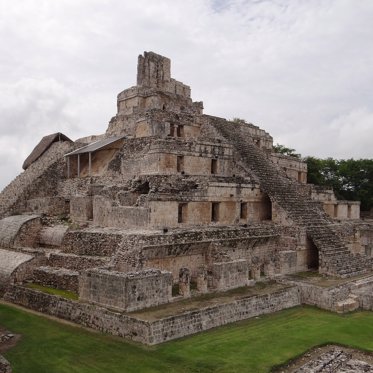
(334, 256)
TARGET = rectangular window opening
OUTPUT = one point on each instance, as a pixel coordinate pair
(214, 166)
(180, 163)
(243, 210)
(182, 212)
(349, 211)
(215, 211)
(300, 176)
(172, 130)
(180, 131)
(335, 211)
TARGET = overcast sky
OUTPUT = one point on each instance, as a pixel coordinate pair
(300, 69)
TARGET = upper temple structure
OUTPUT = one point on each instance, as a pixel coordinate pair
(169, 204)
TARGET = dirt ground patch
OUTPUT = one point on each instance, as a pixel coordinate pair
(315, 356)
(7, 339)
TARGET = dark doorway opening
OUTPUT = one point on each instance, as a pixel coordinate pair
(312, 255)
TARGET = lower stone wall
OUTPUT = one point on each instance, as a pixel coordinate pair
(126, 291)
(229, 275)
(210, 317)
(153, 332)
(58, 278)
(328, 297)
(76, 262)
(91, 242)
(48, 205)
(85, 314)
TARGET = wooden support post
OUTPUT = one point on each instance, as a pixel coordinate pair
(90, 163)
(68, 167)
(78, 165)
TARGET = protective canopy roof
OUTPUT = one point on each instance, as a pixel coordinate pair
(95, 145)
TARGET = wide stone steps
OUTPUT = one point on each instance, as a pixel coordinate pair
(334, 255)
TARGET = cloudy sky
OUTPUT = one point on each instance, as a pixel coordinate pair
(300, 69)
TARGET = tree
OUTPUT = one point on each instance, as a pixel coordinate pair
(350, 179)
(282, 149)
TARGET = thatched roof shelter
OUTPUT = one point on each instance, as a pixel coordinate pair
(43, 146)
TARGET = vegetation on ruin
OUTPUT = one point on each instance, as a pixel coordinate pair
(49, 290)
(253, 345)
(282, 149)
(351, 179)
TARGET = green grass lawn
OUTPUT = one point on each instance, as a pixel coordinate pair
(251, 346)
(49, 290)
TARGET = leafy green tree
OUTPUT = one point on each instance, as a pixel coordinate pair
(350, 179)
(282, 149)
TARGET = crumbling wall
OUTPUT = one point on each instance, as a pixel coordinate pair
(19, 230)
(96, 242)
(39, 180)
(294, 168)
(157, 331)
(126, 291)
(105, 214)
(48, 206)
(58, 278)
(10, 261)
(81, 209)
(229, 275)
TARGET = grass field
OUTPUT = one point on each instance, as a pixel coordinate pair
(251, 346)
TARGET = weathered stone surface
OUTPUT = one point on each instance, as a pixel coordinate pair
(158, 331)
(172, 198)
(10, 261)
(19, 230)
(126, 291)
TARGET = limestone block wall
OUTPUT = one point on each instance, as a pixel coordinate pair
(260, 137)
(257, 244)
(167, 127)
(74, 187)
(126, 291)
(161, 330)
(91, 242)
(174, 156)
(343, 210)
(76, 262)
(48, 205)
(107, 215)
(10, 261)
(193, 250)
(39, 180)
(229, 275)
(59, 278)
(173, 263)
(81, 208)
(52, 236)
(293, 167)
(89, 315)
(216, 211)
(210, 317)
(19, 230)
